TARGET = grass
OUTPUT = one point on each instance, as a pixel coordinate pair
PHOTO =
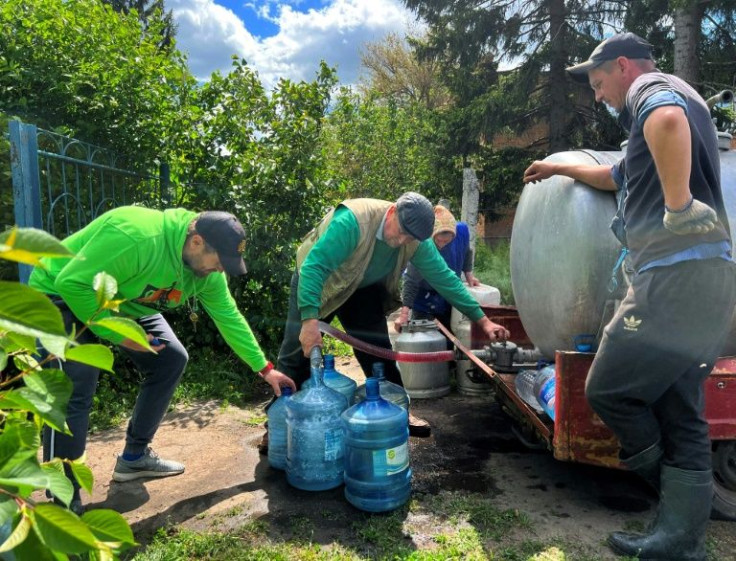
(493, 267)
(451, 526)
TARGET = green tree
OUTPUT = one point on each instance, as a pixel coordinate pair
(394, 72)
(383, 147)
(81, 68)
(149, 11)
(538, 38)
(697, 44)
(257, 154)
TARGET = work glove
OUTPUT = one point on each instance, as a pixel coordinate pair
(695, 218)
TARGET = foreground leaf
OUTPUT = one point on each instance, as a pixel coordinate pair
(125, 327)
(109, 526)
(94, 354)
(106, 287)
(83, 475)
(20, 532)
(61, 529)
(28, 312)
(59, 483)
(28, 245)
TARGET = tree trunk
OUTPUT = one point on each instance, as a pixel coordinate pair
(559, 109)
(687, 20)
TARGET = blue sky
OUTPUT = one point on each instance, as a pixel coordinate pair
(285, 38)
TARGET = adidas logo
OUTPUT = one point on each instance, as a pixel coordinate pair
(631, 323)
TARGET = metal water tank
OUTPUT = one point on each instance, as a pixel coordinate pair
(423, 379)
(563, 253)
(466, 376)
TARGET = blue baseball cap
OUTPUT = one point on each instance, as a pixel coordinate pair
(628, 45)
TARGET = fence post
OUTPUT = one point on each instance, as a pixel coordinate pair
(471, 195)
(26, 182)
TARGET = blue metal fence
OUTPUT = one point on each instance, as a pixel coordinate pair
(60, 184)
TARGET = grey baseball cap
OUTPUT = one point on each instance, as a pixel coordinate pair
(226, 235)
(628, 45)
(416, 215)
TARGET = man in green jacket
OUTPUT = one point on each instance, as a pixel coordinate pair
(350, 266)
(161, 261)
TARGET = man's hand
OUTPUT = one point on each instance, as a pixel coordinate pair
(310, 336)
(492, 330)
(402, 319)
(471, 279)
(278, 380)
(538, 171)
(694, 218)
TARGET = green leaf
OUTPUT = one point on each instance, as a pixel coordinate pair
(17, 342)
(28, 312)
(26, 476)
(59, 483)
(106, 287)
(28, 245)
(61, 529)
(125, 327)
(94, 354)
(83, 475)
(25, 362)
(55, 345)
(49, 391)
(33, 549)
(14, 400)
(109, 526)
(19, 442)
(20, 532)
(3, 359)
(8, 508)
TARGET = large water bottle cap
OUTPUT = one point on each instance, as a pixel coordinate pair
(378, 370)
(286, 390)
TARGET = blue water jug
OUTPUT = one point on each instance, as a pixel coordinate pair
(337, 380)
(277, 430)
(314, 436)
(377, 473)
(388, 390)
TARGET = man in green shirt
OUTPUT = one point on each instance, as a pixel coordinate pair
(161, 260)
(350, 266)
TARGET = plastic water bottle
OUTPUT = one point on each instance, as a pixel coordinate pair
(338, 381)
(388, 390)
(537, 389)
(377, 472)
(314, 436)
(277, 430)
(544, 390)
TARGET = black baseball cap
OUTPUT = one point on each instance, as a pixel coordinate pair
(628, 45)
(226, 235)
(416, 215)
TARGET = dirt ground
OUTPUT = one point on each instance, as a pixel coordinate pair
(472, 449)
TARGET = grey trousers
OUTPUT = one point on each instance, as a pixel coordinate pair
(161, 374)
(646, 382)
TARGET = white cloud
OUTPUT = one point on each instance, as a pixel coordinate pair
(210, 34)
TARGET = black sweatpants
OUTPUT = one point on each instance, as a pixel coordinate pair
(646, 382)
(161, 374)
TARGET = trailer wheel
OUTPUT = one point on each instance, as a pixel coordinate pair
(724, 480)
